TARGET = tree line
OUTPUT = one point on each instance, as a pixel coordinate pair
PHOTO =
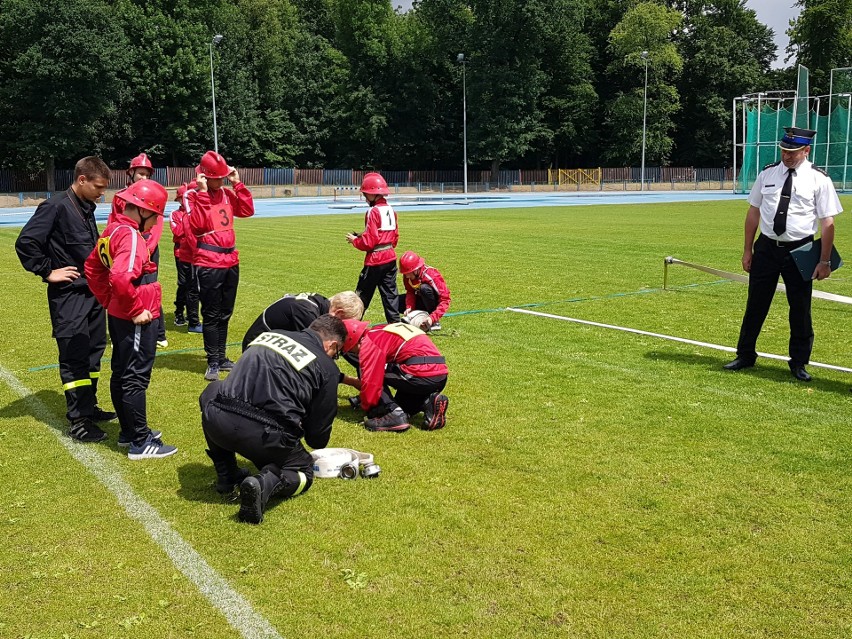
(357, 83)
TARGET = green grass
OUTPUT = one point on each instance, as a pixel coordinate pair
(589, 483)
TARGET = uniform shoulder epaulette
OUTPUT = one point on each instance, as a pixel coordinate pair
(819, 170)
(769, 166)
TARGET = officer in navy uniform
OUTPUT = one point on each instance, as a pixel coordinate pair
(788, 201)
(283, 388)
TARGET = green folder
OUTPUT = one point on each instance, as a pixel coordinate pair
(807, 257)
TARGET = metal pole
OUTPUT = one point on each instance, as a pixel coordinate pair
(846, 155)
(216, 40)
(460, 59)
(644, 118)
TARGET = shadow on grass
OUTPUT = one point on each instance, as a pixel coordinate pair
(53, 400)
(198, 481)
(773, 370)
(193, 362)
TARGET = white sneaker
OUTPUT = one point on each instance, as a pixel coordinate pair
(162, 343)
(151, 448)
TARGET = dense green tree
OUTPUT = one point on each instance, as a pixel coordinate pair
(163, 106)
(58, 79)
(727, 53)
(821, 39)
(642, 43)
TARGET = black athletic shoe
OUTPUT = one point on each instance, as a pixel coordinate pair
(435, 412)
(395, 421)
(101, 415)
(251, 497)
(85, 430)
(226, 365)
(180, 320)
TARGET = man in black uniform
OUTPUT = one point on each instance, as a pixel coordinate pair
(788, 202)
(54, 244)
(296, 312)
(283, 388)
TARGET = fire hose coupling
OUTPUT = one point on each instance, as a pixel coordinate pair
(344, 463)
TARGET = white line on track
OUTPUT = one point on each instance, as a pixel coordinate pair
(236, 609)
(683, 340)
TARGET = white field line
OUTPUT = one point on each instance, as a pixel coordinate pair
(236, 609)
(683, 340)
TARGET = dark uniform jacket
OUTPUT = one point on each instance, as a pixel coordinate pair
(290, 313)
(62, 232)
(289, 378)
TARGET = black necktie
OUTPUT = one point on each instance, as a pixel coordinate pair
(779, 225)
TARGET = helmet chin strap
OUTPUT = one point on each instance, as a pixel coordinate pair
(143, 220)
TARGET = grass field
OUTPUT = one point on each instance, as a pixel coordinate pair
(589, 483)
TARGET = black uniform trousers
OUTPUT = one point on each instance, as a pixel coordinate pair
(186, 297)
(426, 299)
(382, 276)
(79, 328)
(133, 350)
(411, 392)
(217, 290)
(768, 262)
(267, 447)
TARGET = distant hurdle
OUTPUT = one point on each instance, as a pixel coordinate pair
(345, 189)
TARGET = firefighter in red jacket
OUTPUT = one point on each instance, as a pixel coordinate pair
(425, 290)
(141, 169)
(120, 275)
(402, 357)
(186, 296)
(212, 209)
(378, 240)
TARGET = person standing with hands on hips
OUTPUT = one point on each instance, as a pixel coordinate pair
(212, 209)
(378, 240)
(54, 245)
(788, 200)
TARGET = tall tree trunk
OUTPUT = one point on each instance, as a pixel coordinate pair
(495, 172)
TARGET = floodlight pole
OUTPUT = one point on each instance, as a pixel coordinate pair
(216, 40)
(644, 117)
(460, 59)
(846, 154)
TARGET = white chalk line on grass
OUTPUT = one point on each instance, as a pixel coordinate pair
(239, 612)
(672, 338)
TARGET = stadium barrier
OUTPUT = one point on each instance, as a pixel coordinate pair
(22, 188)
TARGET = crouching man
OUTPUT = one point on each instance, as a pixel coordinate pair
(402, 357)
(282, 389)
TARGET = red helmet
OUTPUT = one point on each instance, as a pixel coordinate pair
(410, 262)
(146, 194)
(355, 330)
(213, 166)
(183, 188)
(141, 161)
(374, 184)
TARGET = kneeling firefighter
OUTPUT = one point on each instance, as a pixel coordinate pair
(282, 389)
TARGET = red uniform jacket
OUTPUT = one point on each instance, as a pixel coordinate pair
(118, 269)
(393, 344)
(182, 236)
(433, 278)
(380, 235)
(211, 220)
(154, 235)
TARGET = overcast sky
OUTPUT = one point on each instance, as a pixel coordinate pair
(773, 13)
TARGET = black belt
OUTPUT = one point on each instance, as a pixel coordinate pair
(216, 249)
(414, 361)
(147, 278)
(250, 411)
(791, 245)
